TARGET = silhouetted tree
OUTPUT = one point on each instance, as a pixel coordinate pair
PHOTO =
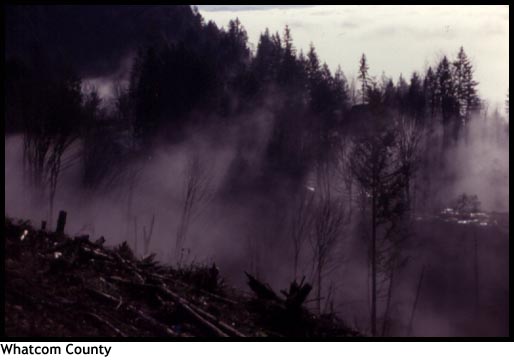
(328, 223)
(402, 92)
(196, 194)
(446, 99)
(430, 92)
(301, 223)
(267, 59)
(376, 167)
(51, 120)
(341, 90)
(416, 98)
(465, 86)
(363, 78)
(389, 93)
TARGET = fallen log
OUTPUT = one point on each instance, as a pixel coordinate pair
(222, 324)
(204, 318)
(190, 287)
(192, 312)
(106, 323)
(148, 319)
(129, 265)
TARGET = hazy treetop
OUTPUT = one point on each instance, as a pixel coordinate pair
(396, 39)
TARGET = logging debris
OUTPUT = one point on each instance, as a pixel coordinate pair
(60, 286)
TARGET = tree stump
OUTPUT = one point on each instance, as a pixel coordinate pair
(61, 222)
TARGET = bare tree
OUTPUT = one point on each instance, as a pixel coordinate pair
(132, 174)
(415, 303)
(136, 243)
(253, 252)
(343, 154)
(54, 165)
(467, 207)
(409, 136)
(301, 222)
(196, 194)
(398, 228)
(147, 237)
(328, 222)
(49, 130)
(376, 167)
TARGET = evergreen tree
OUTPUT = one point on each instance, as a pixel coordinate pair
(341, 89)
(389, 93)
(430, 92)
(374, 96)
(465, 86)
(446, 91)
(364, 78)
(402, 91)
(236, 47)
(315, 79)
(288, 67)
(145, 80)
(267, 58)
(415, 98)
(313, 67)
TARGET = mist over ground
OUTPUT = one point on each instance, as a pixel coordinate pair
(218, 150)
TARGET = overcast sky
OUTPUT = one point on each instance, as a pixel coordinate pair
(395, 38)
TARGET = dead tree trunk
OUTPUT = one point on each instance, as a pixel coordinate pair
(388, 303)
(61, 222)
(476, 271)
(196, 195)
(300, 225)
(373, 267)
(415, 305)
(147, 237)
(328, 225)
(318, 296)
(135, 236)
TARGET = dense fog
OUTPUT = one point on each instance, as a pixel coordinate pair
(193, 147)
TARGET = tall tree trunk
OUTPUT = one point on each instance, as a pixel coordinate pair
(319, 287)
(388, 303)
(415, 305)
(135, 236)
(373, 267)
(476, 270)
(295, 262)
(129, 207)
(51, 211)
(351, 203)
